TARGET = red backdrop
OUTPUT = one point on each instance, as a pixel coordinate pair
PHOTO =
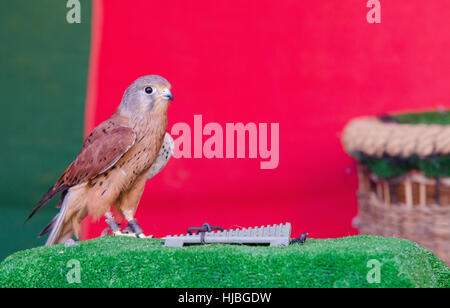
(308, 65)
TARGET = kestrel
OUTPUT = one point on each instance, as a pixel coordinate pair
(115, 161)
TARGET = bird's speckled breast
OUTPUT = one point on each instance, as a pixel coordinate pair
(150, 133)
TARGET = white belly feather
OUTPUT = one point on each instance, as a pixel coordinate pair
(163, 157)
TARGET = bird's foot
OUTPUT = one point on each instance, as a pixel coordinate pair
(120, 233)
(108, 232)
(133, 229)
(125, 232)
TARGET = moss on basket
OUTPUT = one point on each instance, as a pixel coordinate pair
(128, 262)
(430, 117)
(389, 167)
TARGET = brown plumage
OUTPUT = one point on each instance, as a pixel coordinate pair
(112, 166)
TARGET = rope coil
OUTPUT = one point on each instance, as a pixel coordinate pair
(373, 137)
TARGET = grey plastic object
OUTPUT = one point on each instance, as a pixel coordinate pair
(276, 235)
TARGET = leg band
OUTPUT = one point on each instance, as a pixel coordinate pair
(135, 227)
(113, 225)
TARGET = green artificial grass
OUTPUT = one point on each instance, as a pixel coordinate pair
(434, 166)
(130, 262)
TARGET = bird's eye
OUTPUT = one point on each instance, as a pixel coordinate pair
(149, 90)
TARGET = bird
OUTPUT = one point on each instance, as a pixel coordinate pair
(115, 161)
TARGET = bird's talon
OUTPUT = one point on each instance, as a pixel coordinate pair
(142, 235)
(127, 230)
(127, 234)
(118, 233)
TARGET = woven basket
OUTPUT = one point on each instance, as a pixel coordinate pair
(406, 208)
(410, 206)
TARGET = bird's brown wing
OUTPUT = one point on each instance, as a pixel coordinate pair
(100, 151)
(98, 155)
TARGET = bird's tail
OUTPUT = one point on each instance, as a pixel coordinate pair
(53, 191)
(57, 225)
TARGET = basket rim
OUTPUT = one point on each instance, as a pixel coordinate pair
(377, 138)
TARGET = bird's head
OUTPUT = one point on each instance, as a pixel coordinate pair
(148, 94)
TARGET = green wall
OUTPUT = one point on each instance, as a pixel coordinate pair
(44, 66)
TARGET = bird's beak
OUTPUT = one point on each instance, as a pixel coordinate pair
(167, 94)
